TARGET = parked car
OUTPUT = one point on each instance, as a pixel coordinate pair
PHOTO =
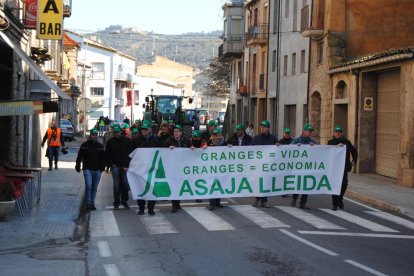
(68, 132)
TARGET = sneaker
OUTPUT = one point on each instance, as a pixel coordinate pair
(265, 205)
(140, 212)
(256, 202)
(341, 205)
(125, 204)
(56, 167)
(116, 207)
(293, 203)
(151, 212)
(334, 208)
(50, 168)
(219, 206)
(93, 207)
(304, 206)
(211, 208)
(88, 207)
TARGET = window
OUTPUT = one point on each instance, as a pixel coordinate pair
(295, 15)
(290, 117)
(98, 70)
(97, 91)
(294, 64)
(285, 65)
(319, 52)
(275, 18)
(303, 61)
(274, 61)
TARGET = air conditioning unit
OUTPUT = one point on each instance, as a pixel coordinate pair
(102, 101)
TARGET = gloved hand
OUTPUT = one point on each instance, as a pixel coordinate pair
(77, 168)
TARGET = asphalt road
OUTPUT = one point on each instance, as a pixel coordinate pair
(242, 240)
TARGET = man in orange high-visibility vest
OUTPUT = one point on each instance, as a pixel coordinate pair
(53, 136)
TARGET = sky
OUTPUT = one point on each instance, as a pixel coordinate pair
(159, 16)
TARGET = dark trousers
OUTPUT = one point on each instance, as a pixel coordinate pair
(262, 199)
(214, 202)
(121, 186)
(150, 204)
(175, 203)
(303, 198)
(336, 199)
(53, 153)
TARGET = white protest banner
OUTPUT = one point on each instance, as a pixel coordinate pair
(223, 172)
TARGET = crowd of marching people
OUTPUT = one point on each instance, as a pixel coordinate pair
(121, 139)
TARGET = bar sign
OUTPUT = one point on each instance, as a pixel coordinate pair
(50, 19)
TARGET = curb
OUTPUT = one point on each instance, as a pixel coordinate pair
(373, 201)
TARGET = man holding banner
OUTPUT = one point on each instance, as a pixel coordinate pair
(304, 139)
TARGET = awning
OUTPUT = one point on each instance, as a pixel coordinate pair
(36, 69)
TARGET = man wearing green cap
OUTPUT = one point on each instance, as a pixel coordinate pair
(287, 139)
(340, 140)
(195, 139)
(145, 139)
(304, 139)
(92, 156)
(117, 156)
(240, 137)
(263, 138)
(206, 135)
(178, 141)
(217, 140)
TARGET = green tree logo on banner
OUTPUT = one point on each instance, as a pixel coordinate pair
(161, 186)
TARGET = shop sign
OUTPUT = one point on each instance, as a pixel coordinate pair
(50, 19)
(21, 108)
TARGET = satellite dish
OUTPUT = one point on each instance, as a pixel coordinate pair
(85, 104)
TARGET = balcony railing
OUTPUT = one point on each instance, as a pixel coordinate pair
(257, 34)
(232, 47)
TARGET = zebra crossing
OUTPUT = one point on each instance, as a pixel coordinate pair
(104, 223)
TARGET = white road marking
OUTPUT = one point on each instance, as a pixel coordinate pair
(373, 226)
(353, 234)
(232, 201)
(208, 219)
(311, 244)
(157, 224)
(365, 268)
(392, 218)
(309, 218)
(103, 224)
(104, 250)
(361, 204)
(111, 270)
(258, 216)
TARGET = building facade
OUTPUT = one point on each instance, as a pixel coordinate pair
(361, 77)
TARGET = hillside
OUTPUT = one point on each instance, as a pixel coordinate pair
(194, 49)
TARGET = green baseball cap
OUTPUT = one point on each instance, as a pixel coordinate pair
(178, 126)
(93, 131)
(124, 126)
(286, 130)
(218, 131)
(338, 129)
(265, 123)
(116, 128)
(307, 127)
(239, 127)
(212, 123)
(134, 130)
(146, 125)
(137, 121)
(196, 133)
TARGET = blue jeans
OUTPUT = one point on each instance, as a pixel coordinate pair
(121, 186)
(53, 153)
(92, 179)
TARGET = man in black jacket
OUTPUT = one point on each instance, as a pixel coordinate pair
(240, 137)
(339, 139)
(92, 156)
(145, 139)
(263, 138)
(287, 139)
(117, 156)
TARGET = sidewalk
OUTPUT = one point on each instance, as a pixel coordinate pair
(54, 218)
(382, 192)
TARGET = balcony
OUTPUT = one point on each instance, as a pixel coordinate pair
(257, 35)
(232, 48)
(67, 8)
(308, 28)
(121, 76)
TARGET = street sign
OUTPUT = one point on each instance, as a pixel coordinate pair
(50, 19)
(368, 103)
